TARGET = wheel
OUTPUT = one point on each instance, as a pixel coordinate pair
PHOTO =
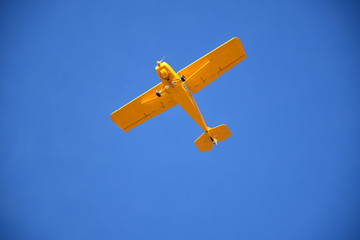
(158, 93)
(182, 77)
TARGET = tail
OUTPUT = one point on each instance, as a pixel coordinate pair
(211, 136)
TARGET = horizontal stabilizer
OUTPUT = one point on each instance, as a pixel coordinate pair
(204, 143)
(220, 132)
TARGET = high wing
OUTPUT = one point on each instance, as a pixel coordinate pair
(206, 69)
(142, 108)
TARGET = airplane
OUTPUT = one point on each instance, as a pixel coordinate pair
(177, 88)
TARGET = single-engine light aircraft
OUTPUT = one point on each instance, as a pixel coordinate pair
(176, 88)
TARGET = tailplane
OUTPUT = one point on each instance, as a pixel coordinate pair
(207, 139)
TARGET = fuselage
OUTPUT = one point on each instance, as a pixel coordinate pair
(176, 88)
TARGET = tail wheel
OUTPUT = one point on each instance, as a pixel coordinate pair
(158, 93)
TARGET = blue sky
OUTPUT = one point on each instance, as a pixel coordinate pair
(289, 171)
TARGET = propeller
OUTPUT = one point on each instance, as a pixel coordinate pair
(162, 59)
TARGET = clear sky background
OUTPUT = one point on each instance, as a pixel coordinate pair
(289, 171)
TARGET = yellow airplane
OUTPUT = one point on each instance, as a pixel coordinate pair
(175, 89)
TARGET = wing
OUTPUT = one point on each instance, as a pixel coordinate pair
(142, 108)
(206, 69)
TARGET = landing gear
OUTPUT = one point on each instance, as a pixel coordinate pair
(182, 77)
(158, 93)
